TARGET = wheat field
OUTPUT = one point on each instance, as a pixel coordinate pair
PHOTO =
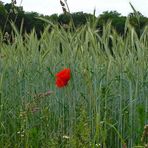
(105, 103)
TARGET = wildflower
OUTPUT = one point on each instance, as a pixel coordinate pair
(63, 77)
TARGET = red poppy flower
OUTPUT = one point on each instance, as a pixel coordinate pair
(63, 77)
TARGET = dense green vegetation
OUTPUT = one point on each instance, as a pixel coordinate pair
(105, 103)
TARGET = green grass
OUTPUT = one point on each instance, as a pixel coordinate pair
(104, 105)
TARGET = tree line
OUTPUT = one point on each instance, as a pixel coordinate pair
(30, 20)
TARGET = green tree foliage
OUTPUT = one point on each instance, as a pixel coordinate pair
(3, 15)
(30, 20)
(117, 20)
(64, 18)
(138, 22)
(80, 18)
(53, 18)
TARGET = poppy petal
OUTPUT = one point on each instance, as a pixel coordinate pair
(63, 77)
